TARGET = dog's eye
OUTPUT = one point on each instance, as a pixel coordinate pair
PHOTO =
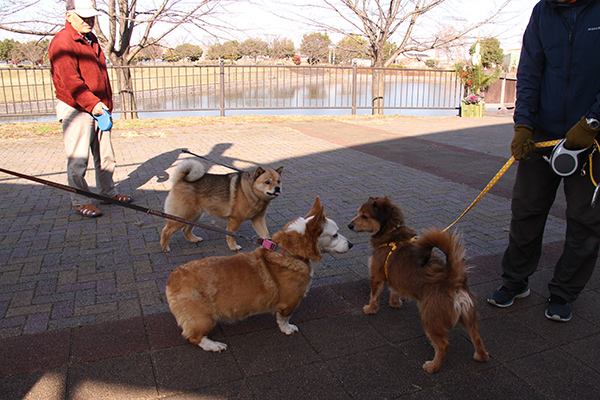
(364, 217)
(267, 182)
(335, 236)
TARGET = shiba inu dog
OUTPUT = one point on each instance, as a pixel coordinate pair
(236, 197)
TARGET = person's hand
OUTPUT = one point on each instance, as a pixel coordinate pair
(522, 144)
(99, 108)
(580, 136)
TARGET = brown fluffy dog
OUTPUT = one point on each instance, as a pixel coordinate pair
(236, 197)
(204, 291)
(414, 271)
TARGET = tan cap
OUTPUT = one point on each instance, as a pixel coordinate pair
(83, 8)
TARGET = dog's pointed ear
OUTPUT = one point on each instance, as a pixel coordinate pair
(317, 222)
(316, 207)
(257, 172)
(279, 170)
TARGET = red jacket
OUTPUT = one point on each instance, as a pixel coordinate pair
(79, 70)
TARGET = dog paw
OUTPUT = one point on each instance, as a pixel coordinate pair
(288, 329)
(430, 367)
(236, 247)
(396, 303)
(369, 309)
(194, 239)
(481, 357)
(284, 325)
(210, 345)
(166, 249)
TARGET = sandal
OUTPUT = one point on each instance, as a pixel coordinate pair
(123, 198)
(89, 210)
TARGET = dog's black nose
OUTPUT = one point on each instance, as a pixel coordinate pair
(350, 245)
(277, 189)
(351, 226)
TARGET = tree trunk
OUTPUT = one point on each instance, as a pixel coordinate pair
(126, 93)
(378, 87)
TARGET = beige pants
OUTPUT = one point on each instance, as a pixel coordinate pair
(81, 136)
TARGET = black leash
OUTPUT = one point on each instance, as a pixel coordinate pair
(121, 203)
(214, 162)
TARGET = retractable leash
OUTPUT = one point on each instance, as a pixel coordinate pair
(122, 204)
(105, 121)
(565, 162)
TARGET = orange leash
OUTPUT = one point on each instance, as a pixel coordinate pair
(496, 178)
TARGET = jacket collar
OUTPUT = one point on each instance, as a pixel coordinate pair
(78, 36)
(555, 3)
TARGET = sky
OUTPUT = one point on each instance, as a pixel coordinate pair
(508, 27)
(269, 19)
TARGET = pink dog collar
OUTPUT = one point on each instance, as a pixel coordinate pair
(269, 245)
(274, 247)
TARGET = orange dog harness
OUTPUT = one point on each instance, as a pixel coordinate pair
(394, 246)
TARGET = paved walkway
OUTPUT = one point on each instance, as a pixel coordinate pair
(83, 313)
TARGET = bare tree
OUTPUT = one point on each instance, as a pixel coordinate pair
(254, 47)
(125, 16)
(315, 46)
(116, 38)
(33, 51)
(31, 17)
(281, 48)
(152, 52)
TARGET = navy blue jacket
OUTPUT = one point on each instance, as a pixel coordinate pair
(558, 79)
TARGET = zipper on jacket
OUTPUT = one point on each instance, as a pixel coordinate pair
(571, 25)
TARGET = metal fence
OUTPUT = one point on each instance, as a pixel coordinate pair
(220, 88)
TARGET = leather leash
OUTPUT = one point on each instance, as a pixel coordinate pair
(214, 162)
(122, 204)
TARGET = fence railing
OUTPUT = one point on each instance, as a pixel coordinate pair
(29, 92)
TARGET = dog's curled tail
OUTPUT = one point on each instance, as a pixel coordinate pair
(451, 245)
(189, 171)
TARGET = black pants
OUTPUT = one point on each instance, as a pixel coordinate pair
(533, 194)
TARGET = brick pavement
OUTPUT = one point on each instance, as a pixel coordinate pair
(81, 298)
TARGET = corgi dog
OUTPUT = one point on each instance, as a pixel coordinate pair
(273, 278)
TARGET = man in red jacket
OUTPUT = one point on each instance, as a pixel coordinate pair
(83, 89)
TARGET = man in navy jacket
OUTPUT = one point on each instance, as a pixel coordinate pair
(558, 96)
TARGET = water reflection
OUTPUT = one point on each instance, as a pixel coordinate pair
(279, 97)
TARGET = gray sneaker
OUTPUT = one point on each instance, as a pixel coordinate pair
(504, 297)
(558, 309)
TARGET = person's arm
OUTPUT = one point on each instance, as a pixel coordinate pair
(529, 75)
(65, 67)
(594, 111)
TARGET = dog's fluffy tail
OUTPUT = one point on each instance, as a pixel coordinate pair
(451, 245)
(189, 171)
(454, 273)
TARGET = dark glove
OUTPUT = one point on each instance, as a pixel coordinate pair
(522, 144)
(580, 136)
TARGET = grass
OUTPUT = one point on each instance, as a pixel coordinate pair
(16, 130)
